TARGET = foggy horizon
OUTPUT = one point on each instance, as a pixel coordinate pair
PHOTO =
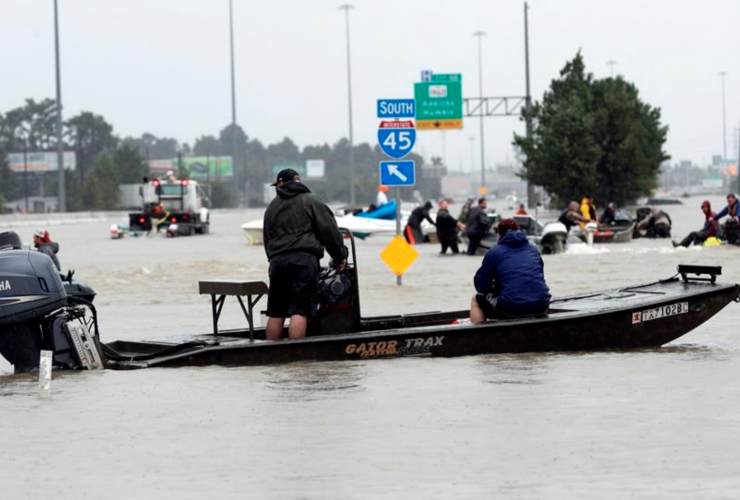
(163, 67)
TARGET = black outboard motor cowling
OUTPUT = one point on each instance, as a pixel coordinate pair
(35, 311)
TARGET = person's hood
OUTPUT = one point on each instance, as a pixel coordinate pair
(708, 214)
(514, 239)
(291, 189)
(53, 245)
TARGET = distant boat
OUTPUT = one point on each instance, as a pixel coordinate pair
(664, 201)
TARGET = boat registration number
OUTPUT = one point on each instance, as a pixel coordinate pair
(660, 312)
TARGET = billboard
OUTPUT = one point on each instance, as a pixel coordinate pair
(39, 163)
(197, 167)
(310, 168)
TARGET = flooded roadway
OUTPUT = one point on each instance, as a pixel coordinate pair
(651, 424)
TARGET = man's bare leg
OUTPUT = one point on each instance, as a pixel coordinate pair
(476, 313)
(274, 328)
(298, 325)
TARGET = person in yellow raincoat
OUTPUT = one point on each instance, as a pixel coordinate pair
(588, 210)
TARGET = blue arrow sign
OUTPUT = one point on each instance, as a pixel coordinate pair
(396, 108)
(397, 173)
(396, 138)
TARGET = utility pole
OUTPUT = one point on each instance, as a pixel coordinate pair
(62, 192)
(233, 105)
(531, 201)
(611, 63)
(480, 35)
(723, 74)
(346, 8)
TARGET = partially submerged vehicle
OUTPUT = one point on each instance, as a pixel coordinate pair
(35, 313)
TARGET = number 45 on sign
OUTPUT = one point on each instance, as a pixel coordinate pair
(396, 138)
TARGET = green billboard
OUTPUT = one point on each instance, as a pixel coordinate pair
(439, 102)
(207, 167)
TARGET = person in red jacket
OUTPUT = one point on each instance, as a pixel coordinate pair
(709, 230)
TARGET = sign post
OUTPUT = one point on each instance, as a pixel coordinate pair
(396, 138)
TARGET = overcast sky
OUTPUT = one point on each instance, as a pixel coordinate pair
(162, 66)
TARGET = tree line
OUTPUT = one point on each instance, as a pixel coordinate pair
(105, 160)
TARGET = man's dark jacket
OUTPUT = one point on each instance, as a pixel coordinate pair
(298, 221)
(446, 226)
(51, 249)
(418, 215)
(478, 223)
(513, 270)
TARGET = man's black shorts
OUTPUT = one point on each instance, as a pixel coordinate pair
(294, 285)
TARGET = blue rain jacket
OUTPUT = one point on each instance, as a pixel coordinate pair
(514, 272)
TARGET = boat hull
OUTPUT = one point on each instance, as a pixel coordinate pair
(632, 318)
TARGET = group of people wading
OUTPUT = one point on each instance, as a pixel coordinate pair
(473, 221)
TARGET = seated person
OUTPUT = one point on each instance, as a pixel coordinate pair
(522, 210)
(511, 280)
(657, 224)
(609, 215)
(571, 216)
(731, 227)
(708, 231)
(42, 242)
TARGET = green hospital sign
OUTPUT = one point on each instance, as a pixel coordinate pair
(439, 102)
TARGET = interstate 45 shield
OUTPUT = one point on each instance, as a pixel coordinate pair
(396, 138)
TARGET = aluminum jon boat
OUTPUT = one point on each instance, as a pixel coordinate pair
(634, 317)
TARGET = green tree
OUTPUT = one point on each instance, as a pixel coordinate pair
(221, 195)
(593, 137)
(90, 135)
(130, 165)
(7, 180)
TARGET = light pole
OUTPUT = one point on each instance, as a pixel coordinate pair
(611, 63)
(233, 104)
(472, 152)
(723, 74)
(531, 202)
(480, 35)
(62, 192)
(24, 137)
(346, 8)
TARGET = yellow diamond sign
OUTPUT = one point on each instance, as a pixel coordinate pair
(399, 255)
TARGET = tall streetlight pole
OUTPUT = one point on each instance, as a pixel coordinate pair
(62, 192)
(346, 8)
(723, 74)
(611, 63)
(233, 102)
(480, 35)
(531, 202)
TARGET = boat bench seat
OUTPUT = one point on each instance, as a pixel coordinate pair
(220, 289)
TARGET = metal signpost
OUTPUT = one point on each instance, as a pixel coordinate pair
(396, 139)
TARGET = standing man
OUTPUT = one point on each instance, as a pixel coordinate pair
(447, 227)
(297, 227)
(412, 232)
(42, 242)
(478, 226)
(381, 198)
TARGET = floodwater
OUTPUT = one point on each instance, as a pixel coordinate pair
(659, 423)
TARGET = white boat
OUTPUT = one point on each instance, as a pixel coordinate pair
(361, 227)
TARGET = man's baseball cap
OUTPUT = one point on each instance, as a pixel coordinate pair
(285, 175)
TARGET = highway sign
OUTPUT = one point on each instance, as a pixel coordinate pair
(396, 108)
(399, 255)
(439, 102)
(397, 173)
(452, 77)
(396, 138)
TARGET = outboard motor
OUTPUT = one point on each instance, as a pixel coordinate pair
(36, 313)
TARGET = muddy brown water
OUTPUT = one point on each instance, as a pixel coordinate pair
(658, 423)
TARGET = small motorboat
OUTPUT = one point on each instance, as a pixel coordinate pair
(634, 317)
(550, 238)
(36, 314)
(615, 233)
